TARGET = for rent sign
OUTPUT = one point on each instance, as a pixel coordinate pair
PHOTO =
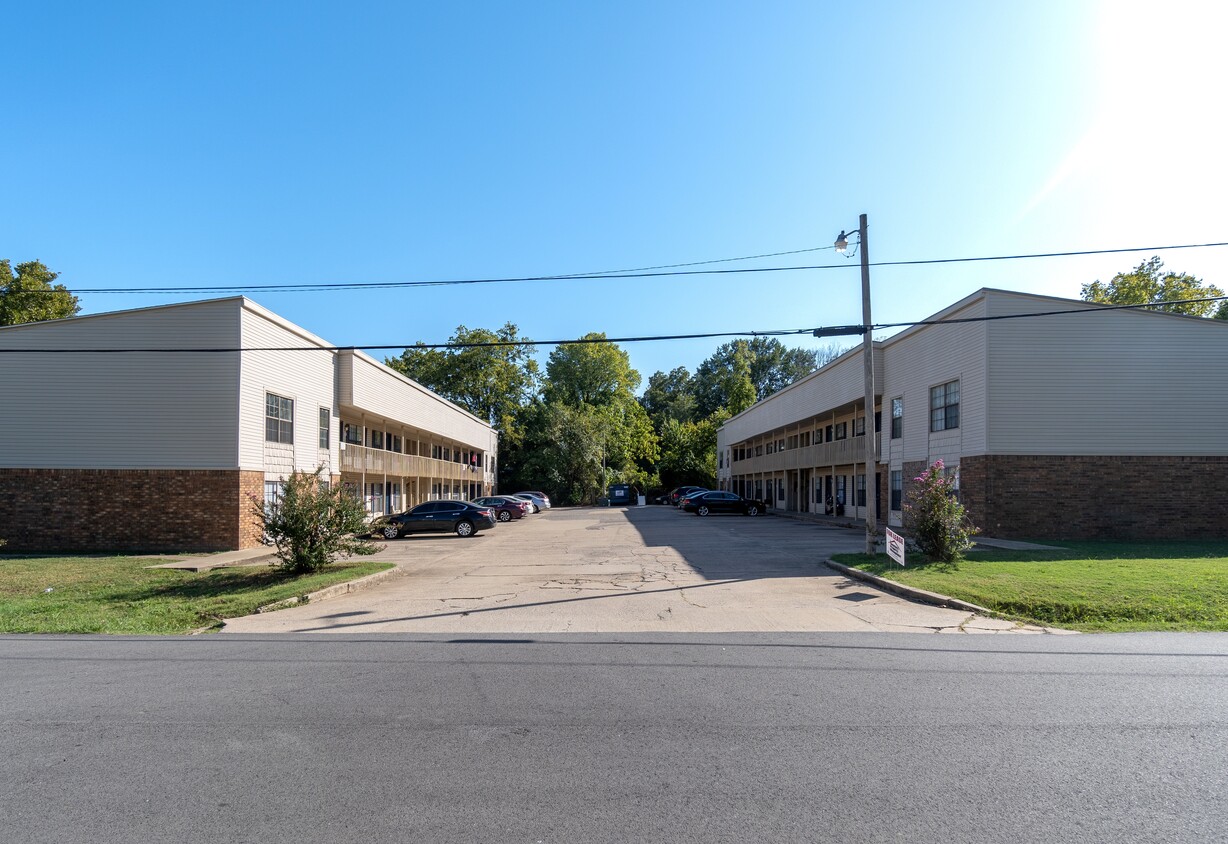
(895, 546)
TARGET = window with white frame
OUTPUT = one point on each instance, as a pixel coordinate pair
(325, 427)
(278, 419)
(897, 418)
(944, 406)
(859, 426)
(861, 490)
(897, 489)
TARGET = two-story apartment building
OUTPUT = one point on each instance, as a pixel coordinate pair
(157, 428)
(1093, 422)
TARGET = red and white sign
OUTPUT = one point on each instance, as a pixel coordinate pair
(895, 546)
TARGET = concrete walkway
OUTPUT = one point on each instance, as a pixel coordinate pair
(605, 570)
(261, 556)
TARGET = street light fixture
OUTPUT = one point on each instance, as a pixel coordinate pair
(867, 347)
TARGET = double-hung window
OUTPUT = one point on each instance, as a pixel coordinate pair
(897, 418)
(842, 430)
(278, 419)
(944, 406)
(859, 426)
(897, 488)
(325, 427)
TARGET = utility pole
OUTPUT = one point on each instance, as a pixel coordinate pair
(871, 435)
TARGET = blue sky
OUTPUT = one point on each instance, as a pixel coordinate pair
(257, 143)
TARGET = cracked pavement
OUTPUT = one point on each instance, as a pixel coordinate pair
(609, 570)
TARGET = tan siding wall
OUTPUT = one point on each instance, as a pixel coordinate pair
(1114, 382)
(105, 411)
(377, 390)
(835, 385)
(927, 358)
(306, 377)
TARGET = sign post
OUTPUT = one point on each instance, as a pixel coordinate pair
(895, 546)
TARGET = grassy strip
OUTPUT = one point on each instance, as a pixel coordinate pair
(123, 595)
(1093, 586)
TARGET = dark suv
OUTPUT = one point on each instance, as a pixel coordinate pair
(463, 517)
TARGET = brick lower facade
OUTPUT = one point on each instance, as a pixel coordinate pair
(1080, 497)
(132, 510)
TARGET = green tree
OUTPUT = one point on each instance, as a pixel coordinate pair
(688, 452)
(592, 373)
(669, 395)
(1222, 312)
(771, 365)
(1147, 283)
(312, 524)
(492, 382)
(30, 295)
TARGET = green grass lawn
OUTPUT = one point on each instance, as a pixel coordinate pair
(1093, 586)
(121, 595)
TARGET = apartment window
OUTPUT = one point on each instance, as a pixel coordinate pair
(861, 490)
(375, 439)
(805, 439)
(840, 489)
(272, 493)
(780, 445)
(771, 448)
(759, 450)
(351, 434)
(720, 460)
(842, 430)
(897, 489)
(830, 435)
(859, 426)
(392, 443)
(278, 419)
(944, 406)
(897, 418)
(325, 427)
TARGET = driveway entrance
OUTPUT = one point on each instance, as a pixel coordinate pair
(618, 569)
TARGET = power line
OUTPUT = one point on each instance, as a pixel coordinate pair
(388, 285)
(595, 340)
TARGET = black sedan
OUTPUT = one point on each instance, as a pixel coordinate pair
(706, 503)
(463, 517)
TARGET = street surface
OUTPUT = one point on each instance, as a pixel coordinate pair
(633, 569)
(614, 738)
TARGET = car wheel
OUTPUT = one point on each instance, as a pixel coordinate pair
(505, 516)
(391, 531)
(702, 510)
(752, 510)
(464, 529)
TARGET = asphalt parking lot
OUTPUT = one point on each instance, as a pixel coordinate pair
(632, 569)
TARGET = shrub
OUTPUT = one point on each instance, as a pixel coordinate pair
(935, 518)
(312, 524)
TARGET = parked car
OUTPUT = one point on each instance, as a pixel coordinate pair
(505, 507)
(463, 517)
(682, 498)
(678, 493)
(529, 500)
(715, 501)
(540, 498)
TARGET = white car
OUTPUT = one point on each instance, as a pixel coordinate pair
(539, 498)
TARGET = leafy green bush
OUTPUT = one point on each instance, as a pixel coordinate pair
(935, 518)
(312, 524)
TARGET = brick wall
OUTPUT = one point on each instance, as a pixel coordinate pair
(1075, 497)
(148, 510)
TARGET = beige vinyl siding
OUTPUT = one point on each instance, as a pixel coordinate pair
(307, 377)
(929, 356)
(142, 410)
(1112, 382)
(840, 383)
(377, 390)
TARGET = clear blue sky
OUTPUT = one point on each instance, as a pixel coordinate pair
(230, 143)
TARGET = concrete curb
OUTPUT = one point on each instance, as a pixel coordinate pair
(911, 592)
(333, 591)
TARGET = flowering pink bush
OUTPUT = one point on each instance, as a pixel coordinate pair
(935, 519)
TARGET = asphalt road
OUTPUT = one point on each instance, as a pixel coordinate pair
(596, 738)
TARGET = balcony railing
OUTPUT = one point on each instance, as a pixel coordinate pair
(358, 459)
(838, 453)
